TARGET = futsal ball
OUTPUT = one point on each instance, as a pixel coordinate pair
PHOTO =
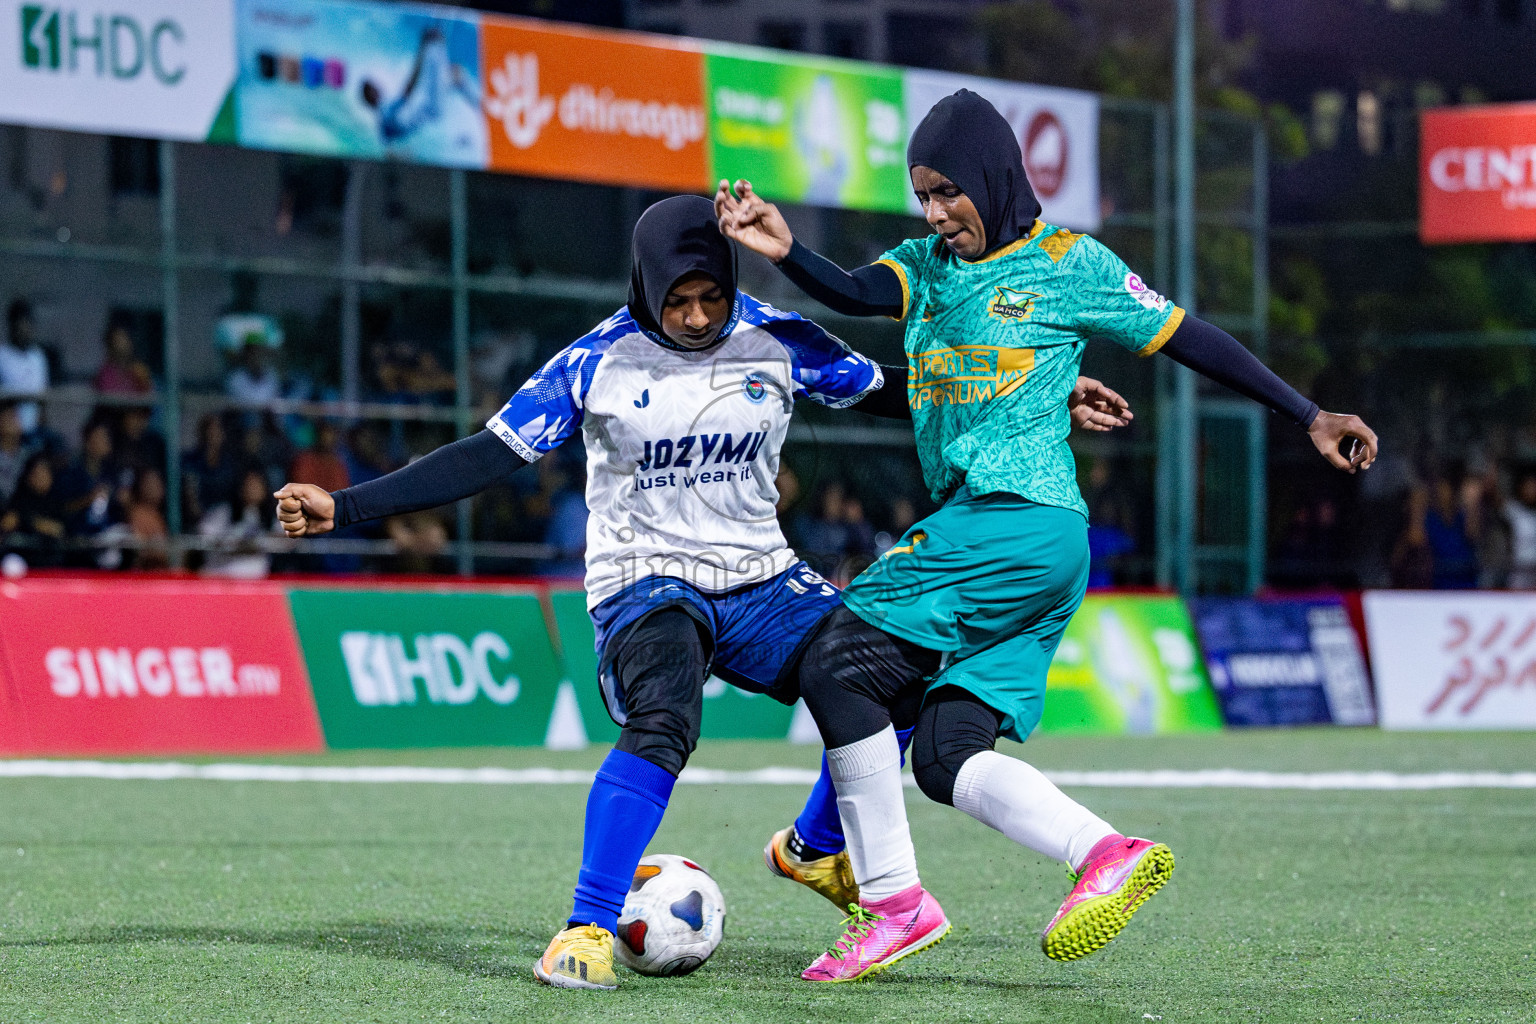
(674, 917)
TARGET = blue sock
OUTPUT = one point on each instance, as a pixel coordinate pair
(624, 810)
(818, 826)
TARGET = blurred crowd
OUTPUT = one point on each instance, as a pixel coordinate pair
(96, 495)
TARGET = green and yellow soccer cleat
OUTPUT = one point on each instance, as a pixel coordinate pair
(1108, 891)
(831, 876)
(579, 957)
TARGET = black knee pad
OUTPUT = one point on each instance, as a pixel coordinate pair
(661, 663)
(953, 727)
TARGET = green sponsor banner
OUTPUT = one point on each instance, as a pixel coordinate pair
(729, 713)
(807, 130)
(1129, 664)
(426, 668)
(577, 643)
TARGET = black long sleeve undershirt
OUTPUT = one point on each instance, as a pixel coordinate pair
(458, 470)
(873, 290)
(890, 399)
(1212, 352)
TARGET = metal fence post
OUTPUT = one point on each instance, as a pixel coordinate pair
(1258, 495)
(1184, 450)
(1167, 453)
(458, 221)
(170, 288)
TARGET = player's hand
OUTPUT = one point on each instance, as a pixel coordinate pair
(1097, 407)
(305, 510)
(747, 219)
(1330, 430)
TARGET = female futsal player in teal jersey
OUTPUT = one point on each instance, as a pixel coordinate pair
(998, 307)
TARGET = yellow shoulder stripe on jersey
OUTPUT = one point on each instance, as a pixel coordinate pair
(1161, 338)
(906, 290)
(1058, 243)
(906, 549)
(1015, 245)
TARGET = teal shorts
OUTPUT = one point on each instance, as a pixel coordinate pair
(992, 582)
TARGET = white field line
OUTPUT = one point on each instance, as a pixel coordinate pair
(1212, 778)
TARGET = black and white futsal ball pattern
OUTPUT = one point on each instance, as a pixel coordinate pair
(673, 918)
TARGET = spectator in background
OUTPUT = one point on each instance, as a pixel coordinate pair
(137, 447)
(121, 372)
(33, 519)
(86, 487)
(421, 538)
(1487, 528)
(365, 454)
(321, 463)
(821, 537)
(253, 380)
(209, 473)
(14, 450)
(23, 364)
(1412, 565)
(1450, 544)
(235, 524)
(144, 522)
(1520, 513)
(264, 445)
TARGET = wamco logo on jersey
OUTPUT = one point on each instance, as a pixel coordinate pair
(101, 43)
(451, 671)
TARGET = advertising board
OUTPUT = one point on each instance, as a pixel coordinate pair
(807, 130)
(612, 108)
(1453, 659)
(1129, 664)
(175, 667)
(361, 80)
(1477, 174)
(421, 667)
(1058, 132)
(1284, 661)
(155, 68)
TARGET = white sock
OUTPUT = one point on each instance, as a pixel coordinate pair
(867, 776)
(1016, 799)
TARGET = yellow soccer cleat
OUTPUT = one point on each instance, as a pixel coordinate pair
(831, 876)
(579, 957)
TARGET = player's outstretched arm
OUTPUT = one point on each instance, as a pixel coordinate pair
(744, 217)
(1096, 406)
(458, 470)
(1212, 352)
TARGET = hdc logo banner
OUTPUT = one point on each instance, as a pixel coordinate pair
(418, 667)
(1477, 174)
(150, 667)
(1453, 660)
(157, 68)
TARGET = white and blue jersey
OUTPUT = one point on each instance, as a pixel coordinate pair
(683, 446)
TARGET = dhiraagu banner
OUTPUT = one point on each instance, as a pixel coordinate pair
(1129, 664)
(806, 130)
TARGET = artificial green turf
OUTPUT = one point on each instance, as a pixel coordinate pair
(210, 901)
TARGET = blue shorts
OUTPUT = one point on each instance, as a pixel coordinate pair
(757, 631)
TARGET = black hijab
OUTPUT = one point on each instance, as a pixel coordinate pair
(965, 139)
(674, 238)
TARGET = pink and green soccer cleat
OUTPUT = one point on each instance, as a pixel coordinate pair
(1110, 888)
(876, 934)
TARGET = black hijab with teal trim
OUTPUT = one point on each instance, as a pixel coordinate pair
(674, 238)
(965, 139)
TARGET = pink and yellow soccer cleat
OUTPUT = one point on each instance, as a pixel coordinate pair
(1110, 888)
(876, 934)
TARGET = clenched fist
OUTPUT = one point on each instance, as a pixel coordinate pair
(305, 510)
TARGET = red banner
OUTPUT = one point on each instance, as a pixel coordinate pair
(1477, 174)
(151, 667)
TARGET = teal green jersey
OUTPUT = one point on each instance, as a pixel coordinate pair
(993, 350)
